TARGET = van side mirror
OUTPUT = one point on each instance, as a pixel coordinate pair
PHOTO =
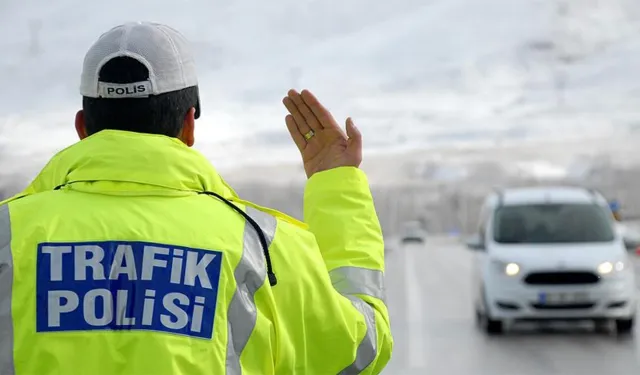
(475, 243)
(631, 244)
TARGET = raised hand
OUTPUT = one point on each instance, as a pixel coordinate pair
(323, 144)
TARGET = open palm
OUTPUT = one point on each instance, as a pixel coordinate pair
(323, 144)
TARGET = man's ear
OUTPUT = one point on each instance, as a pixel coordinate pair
(81, 129)
(187, 135)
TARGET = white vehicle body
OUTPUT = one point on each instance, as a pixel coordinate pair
(535, 259)
(413, 231)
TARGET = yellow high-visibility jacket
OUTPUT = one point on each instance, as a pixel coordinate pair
(129, 255)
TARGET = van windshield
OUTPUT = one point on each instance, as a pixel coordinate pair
(552, 223)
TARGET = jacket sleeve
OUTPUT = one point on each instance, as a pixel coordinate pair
(331, 291)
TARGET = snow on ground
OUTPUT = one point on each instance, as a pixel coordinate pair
(414, 74)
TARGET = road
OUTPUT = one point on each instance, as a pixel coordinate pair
(429, 299)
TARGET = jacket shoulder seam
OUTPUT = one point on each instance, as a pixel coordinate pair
(280, 216)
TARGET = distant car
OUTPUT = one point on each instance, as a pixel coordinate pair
(551, 254)
(413, 232)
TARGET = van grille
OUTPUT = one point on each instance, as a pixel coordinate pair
(570, 306)
(561, 278)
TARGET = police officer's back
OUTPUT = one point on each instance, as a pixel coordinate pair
(128, 254)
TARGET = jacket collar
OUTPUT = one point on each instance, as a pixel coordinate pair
(133, 158)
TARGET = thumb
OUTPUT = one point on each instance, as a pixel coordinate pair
(355, 137)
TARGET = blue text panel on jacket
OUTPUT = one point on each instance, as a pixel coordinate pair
(116, 285)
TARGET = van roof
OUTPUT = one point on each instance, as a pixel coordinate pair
(546, 194)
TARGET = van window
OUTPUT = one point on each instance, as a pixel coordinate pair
(552, 223)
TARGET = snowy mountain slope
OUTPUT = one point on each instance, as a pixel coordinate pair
(413, 73)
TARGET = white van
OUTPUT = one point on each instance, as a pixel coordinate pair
(551, 253)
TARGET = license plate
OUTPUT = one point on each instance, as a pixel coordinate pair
(563, 298)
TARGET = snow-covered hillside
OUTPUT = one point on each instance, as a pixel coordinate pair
(413, 73)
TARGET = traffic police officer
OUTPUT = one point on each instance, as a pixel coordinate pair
(129, 254)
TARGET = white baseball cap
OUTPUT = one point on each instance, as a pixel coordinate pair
(164, 51)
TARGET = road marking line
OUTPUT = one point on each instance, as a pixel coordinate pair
(414, 312)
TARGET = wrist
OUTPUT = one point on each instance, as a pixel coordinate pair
(310, 172)
(337, 178)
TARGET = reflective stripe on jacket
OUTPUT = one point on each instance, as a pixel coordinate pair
(113, 261)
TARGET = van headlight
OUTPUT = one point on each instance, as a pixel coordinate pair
(607, 268)
(512, 269)
(506, 268)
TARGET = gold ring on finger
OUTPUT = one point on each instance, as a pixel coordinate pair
(309, 135)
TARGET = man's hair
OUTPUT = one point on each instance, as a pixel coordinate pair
(157, 114)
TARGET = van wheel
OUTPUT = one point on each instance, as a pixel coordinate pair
(478, 316)
(624, 326)
(488, 325)
(602, 325)
(493, 327)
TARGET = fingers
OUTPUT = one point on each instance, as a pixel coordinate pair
(307, 114)
(299, 120)
(353, 132)
(321, 113)
(354, 142)
(304, 111)
(304, 118)
(298, 139)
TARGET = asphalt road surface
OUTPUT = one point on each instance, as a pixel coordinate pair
(429, 298)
